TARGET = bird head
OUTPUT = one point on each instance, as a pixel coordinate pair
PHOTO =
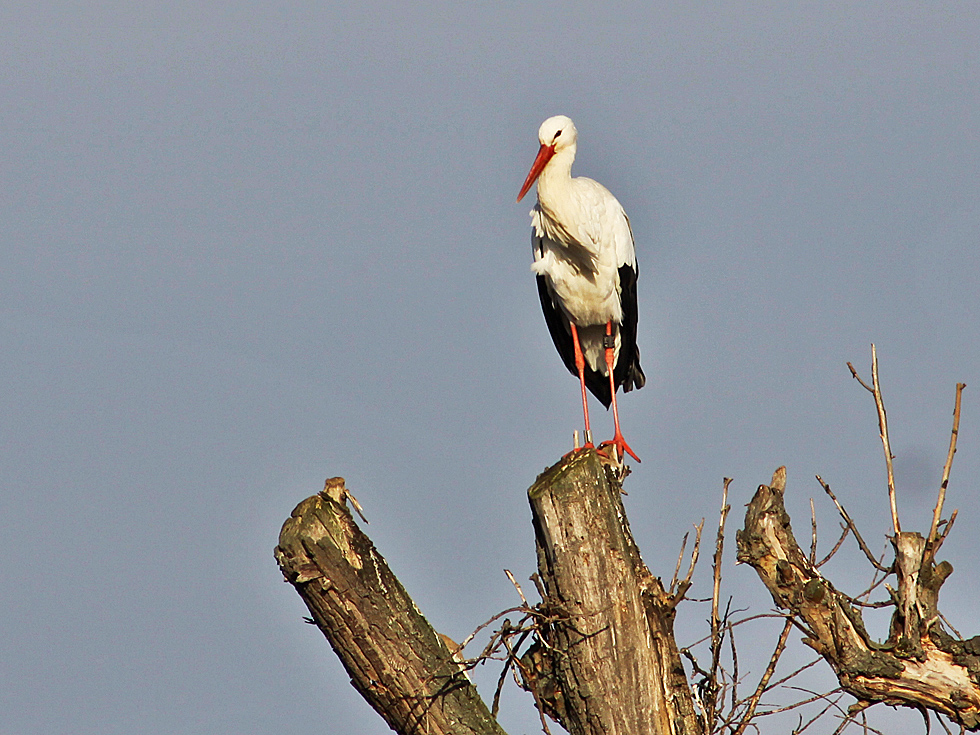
(556, 134)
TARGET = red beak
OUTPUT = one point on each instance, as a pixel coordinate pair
(544, 155)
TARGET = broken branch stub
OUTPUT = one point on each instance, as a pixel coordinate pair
(920, 665)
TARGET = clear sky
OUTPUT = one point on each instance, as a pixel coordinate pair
(245, 247)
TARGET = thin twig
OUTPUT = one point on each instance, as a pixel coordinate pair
(471, 636)
(940, 720)
(680, 559)
(948, 527)
(840, 541)
(766, 676)
(716, 564)
(813, 534)
(751, 618)
(731, 644)
(539, 586)
(925, 716)
(883, 426)
(797, 705)
(685, 585)
(495, 707)
(516, 586)
(534, 691)
(715, 594)
(949, 464)
(850, 523)
(846, 714)
(854, 374)
(792, 674)
(851, 717)
(948, 625)
(883, 429)
(875, 582)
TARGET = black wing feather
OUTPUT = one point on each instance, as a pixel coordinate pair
(627, 372)
(561, 335)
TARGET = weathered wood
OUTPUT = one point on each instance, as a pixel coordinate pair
(919, 665)
(609, 664)
(395, 659)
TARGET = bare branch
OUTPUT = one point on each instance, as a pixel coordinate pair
(680, 559)
(854, 374)
(682, 587)
(948, 528)
(395, 659)
(850, 524)
(616, 620)
(495, 706)
(751, 618)
(731, 642)
(940, 719)
(875, 390)
(797, 705)
(840, 541)
(471, 636)
(512, 656)
(883, 426)
(946, 468)
(716, 565)
(813, 533)
(948, 625)
(517, 587)
(766, 676)
(716, 632)
(794, 673)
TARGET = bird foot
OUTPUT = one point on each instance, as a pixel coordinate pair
(622, 448)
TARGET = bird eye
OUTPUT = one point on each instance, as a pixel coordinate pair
(557, 134)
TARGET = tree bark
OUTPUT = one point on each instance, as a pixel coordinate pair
(395, 659)
(609, 663)
(919, 666)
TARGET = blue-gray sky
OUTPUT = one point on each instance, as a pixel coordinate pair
(246, 247)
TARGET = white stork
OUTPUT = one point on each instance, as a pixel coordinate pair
(586, 273)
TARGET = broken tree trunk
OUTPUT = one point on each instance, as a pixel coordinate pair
(604, 659)
(919, 666)
(395, 659)
(609, 663)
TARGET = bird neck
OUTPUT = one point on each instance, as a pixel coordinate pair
(556, 179)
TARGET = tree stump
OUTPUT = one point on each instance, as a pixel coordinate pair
(612, 655)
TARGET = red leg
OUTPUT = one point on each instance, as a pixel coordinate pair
(617, 441)
(580, 366)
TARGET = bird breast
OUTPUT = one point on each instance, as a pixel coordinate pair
(583, 278)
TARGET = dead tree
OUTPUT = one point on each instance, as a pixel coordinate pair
(598, 651)
(920, 665)
(604, 658)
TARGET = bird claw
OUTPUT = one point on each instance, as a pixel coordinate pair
(622, 448)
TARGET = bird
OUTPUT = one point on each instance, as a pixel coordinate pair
(586, 271)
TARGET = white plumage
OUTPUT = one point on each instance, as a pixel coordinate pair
(586, 267)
